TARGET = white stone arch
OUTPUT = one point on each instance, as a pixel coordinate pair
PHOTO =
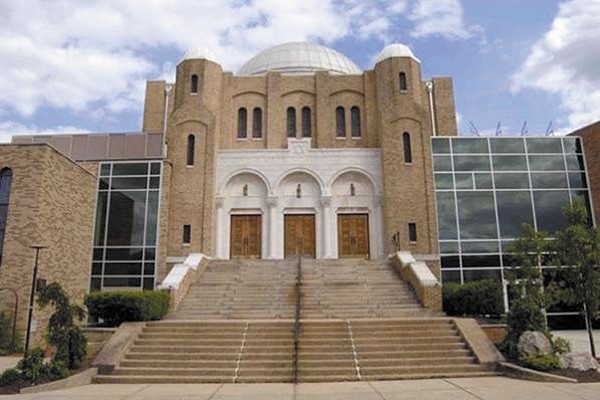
(364, 176)
(249, 171)
(299, 172)
(245, 191)
(354, 191)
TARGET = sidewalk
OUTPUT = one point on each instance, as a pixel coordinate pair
(579, 339)
(494, 388)
(7, 362)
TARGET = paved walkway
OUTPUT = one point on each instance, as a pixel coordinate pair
(579, 339)
(447, 389)
(7, 362)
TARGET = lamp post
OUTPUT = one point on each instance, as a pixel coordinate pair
(32, 294)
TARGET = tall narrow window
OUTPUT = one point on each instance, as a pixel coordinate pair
(5, 184)
(194, 84)
(402, 82)
(412, 232)
(291, 122)
(187, 234)
(355, 119)
(306, 122)
(407, 148)
(191, 149)
(257, 123)
(242, 131)
(340, 122)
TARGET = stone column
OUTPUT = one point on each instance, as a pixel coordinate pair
(376, 231)
(327, 226)
(273, 213)
(221, 223)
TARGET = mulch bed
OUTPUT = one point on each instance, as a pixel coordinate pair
(581, 376)
(16, 387)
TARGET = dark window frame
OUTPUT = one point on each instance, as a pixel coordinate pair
(340, 122)
(407, 148)
(242, 123)
(306, 122)
(355, 129)
(194, 84)
(6, 178)
(291, 122)
(402, 82)
(412, 232)
(191, 150)
(257, 123)
(187, 234)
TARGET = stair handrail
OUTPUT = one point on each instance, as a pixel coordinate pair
(298, 289)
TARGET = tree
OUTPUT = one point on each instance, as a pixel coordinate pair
(577, 249)
(63, 332)
(526, 287)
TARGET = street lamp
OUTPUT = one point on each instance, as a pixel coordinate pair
(32, 294)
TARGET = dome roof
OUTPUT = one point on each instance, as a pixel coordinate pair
(198, 53)
(299, 58)
(396, 50)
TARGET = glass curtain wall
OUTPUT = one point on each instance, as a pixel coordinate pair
(486, 188)
(126, 232)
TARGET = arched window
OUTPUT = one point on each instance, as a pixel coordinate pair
(407, 149)
(291, 122)
(257, 123)
(340, 122)
(191, 149)
(242, 131)
(402, 82)
(194, 84)
(355, 119)
(306, 122)
(5, 183)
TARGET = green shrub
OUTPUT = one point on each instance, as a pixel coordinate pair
(32, 366)
(56, 370)
(525, 315)
(477, 298)
(63, 333)
(560, 345)
(546, 362)
(6, 340)
(9, 377)
(113, 308)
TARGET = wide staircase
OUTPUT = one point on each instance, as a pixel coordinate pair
(276, 321)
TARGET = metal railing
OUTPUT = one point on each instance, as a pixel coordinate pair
(298, 289)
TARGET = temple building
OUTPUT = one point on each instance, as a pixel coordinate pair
(298, 153)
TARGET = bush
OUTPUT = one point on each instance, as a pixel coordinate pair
(32, 366)
(476, 298)
(63, 333)
(9, 377)
(6, 344)
(560, 345)
(546, 362)
(56, 370)
(113, 308)
(525, 315)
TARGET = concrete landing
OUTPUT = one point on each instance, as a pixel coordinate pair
(446, 389)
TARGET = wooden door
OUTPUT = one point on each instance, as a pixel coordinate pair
(353, 235)
(300, 235)
(246, 236)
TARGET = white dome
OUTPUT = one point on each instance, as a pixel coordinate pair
(198, 53)
(396, 50)
(299, 58)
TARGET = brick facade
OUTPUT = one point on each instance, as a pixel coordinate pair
(591, 144)
(51, 204)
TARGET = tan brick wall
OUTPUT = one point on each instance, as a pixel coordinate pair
(591, 146)
(52, 204)
(211, 115)
(154, 107)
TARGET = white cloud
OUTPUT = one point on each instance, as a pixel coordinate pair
(440, 18)
(565, 62)
(94, 57)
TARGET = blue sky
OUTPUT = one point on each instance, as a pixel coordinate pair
(80, 66)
